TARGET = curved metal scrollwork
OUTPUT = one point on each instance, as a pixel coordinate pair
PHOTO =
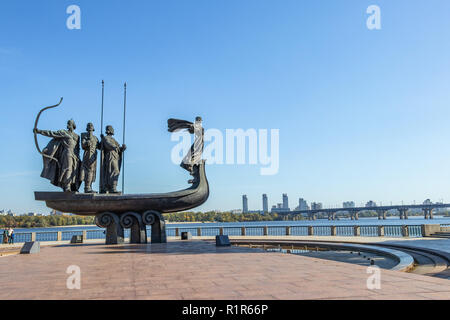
(127, 219)
(105, 219)
(149, 217)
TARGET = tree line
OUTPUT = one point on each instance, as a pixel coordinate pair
(212, 216)
(44, 221)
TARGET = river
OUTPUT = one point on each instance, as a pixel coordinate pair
(412, 220)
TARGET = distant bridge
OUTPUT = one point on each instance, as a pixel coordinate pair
(381, 210)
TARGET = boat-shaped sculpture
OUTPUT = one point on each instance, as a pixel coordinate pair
(87, 204)
(113, 210)
(135, 211)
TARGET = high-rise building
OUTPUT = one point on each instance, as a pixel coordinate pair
(370, 204)
(302, 204)
(279, 209)
(282, 207)
(285, 201)
(316, 206)
(265, 203)
(244, 204)
(348, 204)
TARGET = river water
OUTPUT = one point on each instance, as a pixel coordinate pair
(412, 220)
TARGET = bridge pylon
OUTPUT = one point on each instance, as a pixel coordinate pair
(381, 214)
(312, 216)
(403, 213)
(354, 215)
(428, 213)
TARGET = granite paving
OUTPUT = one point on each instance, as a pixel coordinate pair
(199, 270)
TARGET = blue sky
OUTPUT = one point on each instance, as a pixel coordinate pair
(363, 115)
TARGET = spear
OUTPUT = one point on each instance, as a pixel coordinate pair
(101, 144)
(123, 138)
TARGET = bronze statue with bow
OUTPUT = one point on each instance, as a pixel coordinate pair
(61, 156)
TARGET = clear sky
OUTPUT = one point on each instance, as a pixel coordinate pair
(363, 114)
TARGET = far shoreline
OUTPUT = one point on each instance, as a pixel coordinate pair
(93, 225)
(414, 218)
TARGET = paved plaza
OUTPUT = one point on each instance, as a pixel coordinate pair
(199, 270)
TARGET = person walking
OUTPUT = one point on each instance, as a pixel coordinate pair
(11, 236)
(5, 236)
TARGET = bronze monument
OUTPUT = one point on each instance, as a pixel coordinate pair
(90, 144)
(62, 157)
(113, 210)
(111, 161)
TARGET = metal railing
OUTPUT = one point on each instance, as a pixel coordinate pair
(254, 231)
(369, 231)
(393, 231)
(232, 231)
(322, 230)
(47, 236)
(281, 231)
(346, 231)
(95, 234)
(299, 231)
(415, 231)
(67, 235)
(21, 237)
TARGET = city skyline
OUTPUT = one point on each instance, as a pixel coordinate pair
(303, 204)
(284, 205)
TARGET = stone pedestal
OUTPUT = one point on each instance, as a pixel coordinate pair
(429, 229)
(381, 231)
(76, 239)
(186, 236)
(333, 230)
(136, 222)
(222, 241)
(288, 231)
(405, 231)
(30, 247)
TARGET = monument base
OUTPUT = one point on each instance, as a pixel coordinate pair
(136, 222)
